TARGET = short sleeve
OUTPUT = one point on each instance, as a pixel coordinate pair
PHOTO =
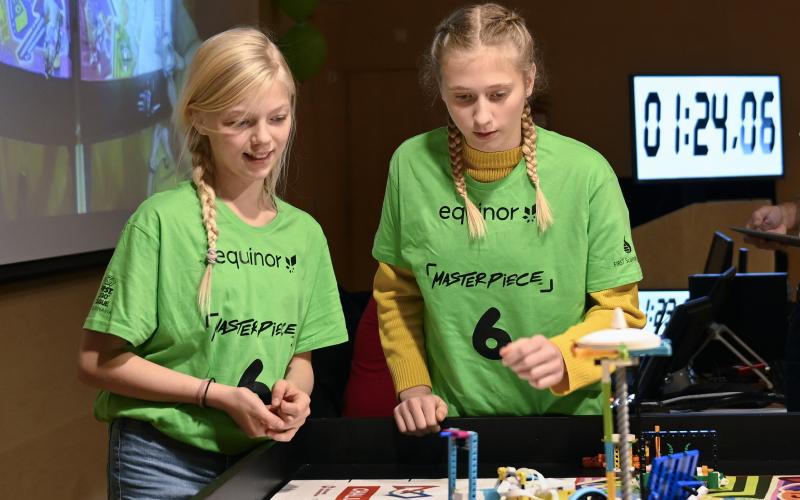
(323, 324)
(126, 303)
(612, 259)
(388, 243)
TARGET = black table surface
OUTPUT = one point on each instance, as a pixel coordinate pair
(756, 442)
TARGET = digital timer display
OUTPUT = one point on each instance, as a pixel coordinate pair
(658, 306)
(702, 127)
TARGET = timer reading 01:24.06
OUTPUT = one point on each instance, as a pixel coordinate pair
(707, 126)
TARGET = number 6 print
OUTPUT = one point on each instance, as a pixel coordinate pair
(485, 331)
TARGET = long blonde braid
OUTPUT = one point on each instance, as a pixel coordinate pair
(544, 216)
(466, 29)
(228, 69)
(208, 203)
(455, 142)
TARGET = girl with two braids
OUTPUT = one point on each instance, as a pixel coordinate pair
(479, 320)
(201, 334)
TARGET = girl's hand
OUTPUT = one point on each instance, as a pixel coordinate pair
(536, 360)
(245, 408)
(292, 406)
(419, 411)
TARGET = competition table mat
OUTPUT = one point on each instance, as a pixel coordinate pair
(766, 487)
(754, 449)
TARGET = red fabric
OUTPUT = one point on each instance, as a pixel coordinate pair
(369, 391)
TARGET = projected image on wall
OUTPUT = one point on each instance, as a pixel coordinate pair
(87, 89)
(35, 39)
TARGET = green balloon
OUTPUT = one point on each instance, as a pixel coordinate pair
(304, 48)
(299, 10)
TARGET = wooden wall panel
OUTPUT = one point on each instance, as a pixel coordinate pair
(317, 175)
(52, 447)
(378, 123)
(676, 245)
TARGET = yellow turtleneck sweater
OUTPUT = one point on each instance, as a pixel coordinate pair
(401, 308)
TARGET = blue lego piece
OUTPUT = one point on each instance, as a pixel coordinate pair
(470, 438)
(673, 476)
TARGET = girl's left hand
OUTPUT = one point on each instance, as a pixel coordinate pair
(536, 360)
(292, 405)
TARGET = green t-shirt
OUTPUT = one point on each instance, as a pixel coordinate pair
(274, 295)
(514, 283)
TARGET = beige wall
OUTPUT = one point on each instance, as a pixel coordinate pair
(51, 447)
(664, 247)
(351, 117)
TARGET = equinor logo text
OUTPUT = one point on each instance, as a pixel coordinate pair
(252, 257)
(489, 213)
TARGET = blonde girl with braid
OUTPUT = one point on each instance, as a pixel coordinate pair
(201, 334)
(500, 242)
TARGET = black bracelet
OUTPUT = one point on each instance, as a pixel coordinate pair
(205, 393)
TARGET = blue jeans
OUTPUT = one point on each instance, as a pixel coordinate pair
(143, 463)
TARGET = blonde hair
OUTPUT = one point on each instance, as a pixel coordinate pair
(227, 69)
(466, 29)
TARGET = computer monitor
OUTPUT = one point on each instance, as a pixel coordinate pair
(720, 255)
(755, 309)
(687, 330)
(721, 290)
(658, 306)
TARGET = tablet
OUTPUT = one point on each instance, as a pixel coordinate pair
(766, 235)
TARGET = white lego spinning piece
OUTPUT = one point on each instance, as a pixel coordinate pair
(618, 335)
